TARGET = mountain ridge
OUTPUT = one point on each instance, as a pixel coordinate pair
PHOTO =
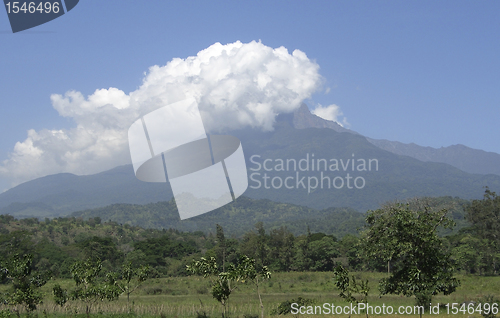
(399, 176)
(460, 156)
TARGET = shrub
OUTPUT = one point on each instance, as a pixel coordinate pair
(286, 306)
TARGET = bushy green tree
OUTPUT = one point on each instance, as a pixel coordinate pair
(475, 255)
(281, 246)
(408, 239)
(221, 246)
(16, 243)
(102, 248)
(485, 218)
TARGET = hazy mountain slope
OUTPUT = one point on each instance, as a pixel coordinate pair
(397, 177)
(460, 156)
(63, 193)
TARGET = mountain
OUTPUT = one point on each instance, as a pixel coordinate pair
(390, 177)
(460, 156)
(303, 118)
(314, 167)
(63, 193)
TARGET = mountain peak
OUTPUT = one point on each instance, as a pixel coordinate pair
(303, 118)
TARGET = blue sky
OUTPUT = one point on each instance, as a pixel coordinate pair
(413, 71)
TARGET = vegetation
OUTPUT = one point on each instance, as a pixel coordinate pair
(407, 239)
(128, 273)
(348, 286)
(236, 218)
(25, 281)
(485, 218)
(89, 288)
(403, 249)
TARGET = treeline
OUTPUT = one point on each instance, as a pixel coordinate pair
(56, 244)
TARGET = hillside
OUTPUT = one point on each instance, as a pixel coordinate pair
(237, 218)
(241, 216)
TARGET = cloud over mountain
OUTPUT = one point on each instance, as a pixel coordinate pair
(237, 85)
(331, 112)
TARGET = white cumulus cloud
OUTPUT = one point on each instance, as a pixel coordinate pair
(332, 113)
(236, 85)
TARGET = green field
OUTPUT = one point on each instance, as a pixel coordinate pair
(188, 296)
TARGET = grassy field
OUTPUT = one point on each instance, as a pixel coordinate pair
(188, 296)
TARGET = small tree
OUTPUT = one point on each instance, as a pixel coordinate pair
(348, 286)
(60, 295)
(127, 284)
(25, 281)
(248, 271)
(221, 281)
(89, 288)
(221, 249)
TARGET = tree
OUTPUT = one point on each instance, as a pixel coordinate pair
(248, 271)
(60, 295)
(25, 281)
(221, 243)
(89, 288)
(322, 253)
(485, 218)
(281, 246)
(303, 261)
(475, 255)
(220, 280)
(102, 248)
(16, 243)
(127, 286)
(223, 282)
(255, 245)
(348, 285)
(407, 238)
(262, 248)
